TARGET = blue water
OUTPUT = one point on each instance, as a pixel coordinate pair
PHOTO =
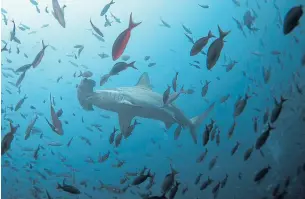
(150, 144)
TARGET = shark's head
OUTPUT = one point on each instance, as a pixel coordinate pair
(107, 99)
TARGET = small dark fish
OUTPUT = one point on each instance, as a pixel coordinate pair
(235, 148)
(20, 102)
(261, 174)
(204, 6)
(152, 64)
(200, 44)
(166, 94)
(261, 140)
(69, 143)
(248, 153)
(197, 180)
(224, 181)
(68, 188)
(276, 190)
(174, 82)
(20, 79)
(277, 109)
(292, 18)
(39, 56)
(206, 183)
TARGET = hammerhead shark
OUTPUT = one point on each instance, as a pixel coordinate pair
(137, 101)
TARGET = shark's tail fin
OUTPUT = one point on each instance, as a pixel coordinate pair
(196, 121)
(84, 90)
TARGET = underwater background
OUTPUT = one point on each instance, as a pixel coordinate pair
(33, 166)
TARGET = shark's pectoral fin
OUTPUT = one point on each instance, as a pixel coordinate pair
(125, 102)
(124, 120)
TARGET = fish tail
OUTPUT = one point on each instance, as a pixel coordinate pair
(43, 45)
(222, 34)
(210, 34)
(132, 24)
(58, 186)
(5, 48)
(132, 65)
(112, 2)
(195, 122)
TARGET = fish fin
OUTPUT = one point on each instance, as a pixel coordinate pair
(222, 34)
(132, 24)
(196, 121)
(85, 90)
(124, 121)
(168, 125)
(144, 81)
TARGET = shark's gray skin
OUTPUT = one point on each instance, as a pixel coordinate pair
(138, 100)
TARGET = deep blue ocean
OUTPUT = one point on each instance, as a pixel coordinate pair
(258, 64)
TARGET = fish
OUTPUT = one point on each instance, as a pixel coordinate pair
(129, 102)
(8, 138)
(120, 66)
(206, 183)
(292, 18)
(204, 6)
(277, 109)
(174, 190)
(45, 25)
(46, 9)
(141, 178)
(151, 64)
(191, 40)
(212, 162)
(20, 79)
(202, 156)
(186, 29)
(24, 68)
(215, 49)
(261, 174)
(13, 32)
(107, 22)
(168, 181)
(166, 94)
(58, 13)
(3, 11)
(248, 153)
(68, 188)
(115, 18)
(224, 181)
(197, 180)
(261, 140)
(121, 41)
(146, 58)
(96, 29)
(30, 128)
(230, 66)
(112, 135)
(200, 44)
(106, 8)
(174, 82)
(240, 105)
(234, 149)
(39, 56)
(205, 88)
(164, 23)
(55, 120)
(206, 136)
(20, 102)
(98, 37)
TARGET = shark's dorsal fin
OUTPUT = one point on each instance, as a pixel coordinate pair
(144, 81)
(124, 121)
